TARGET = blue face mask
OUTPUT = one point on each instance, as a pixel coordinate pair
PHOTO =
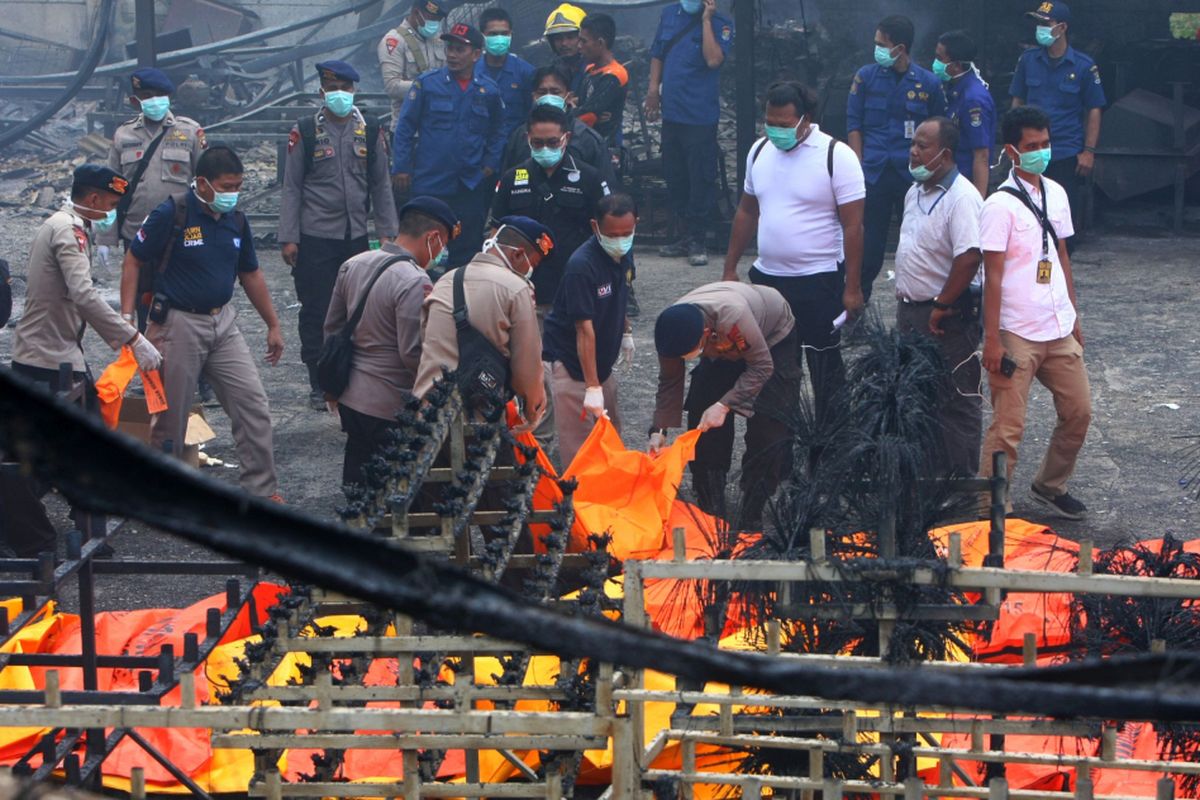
(155, 108)
(110, 219)
(1035, 161)
(339, 103)
(497, 45)
(552, 100)
(783, 138)
(430, 28)
(691, 6)
(222, 202)
(615, 246)
(922, 173)
(547, 157)
(884, 57)
(1045, 35)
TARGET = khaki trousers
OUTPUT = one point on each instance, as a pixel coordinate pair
(1057, 365)
(211, 345)
(571, 422)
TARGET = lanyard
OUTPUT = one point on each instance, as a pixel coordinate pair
(935, 202)
(1042, 218)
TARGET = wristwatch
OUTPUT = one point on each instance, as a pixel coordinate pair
(940, 306)
(129, 318)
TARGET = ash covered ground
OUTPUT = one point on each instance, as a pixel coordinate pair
(1138, 308)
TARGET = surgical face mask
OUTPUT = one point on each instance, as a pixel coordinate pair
(1045, 35)
(155, 108)
(1035, 161)
(552, 100)
(498, 44)
(494, 246)
(441, 248)
(222, 202)
(104, 224)
(783, 138)
(939, 69)
(430, 28)
(691, 6)
(922, 173)
(547, 157)
(884, 57)
(339, 103)
(615, 246)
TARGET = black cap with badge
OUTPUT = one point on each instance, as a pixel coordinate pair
(462, 32)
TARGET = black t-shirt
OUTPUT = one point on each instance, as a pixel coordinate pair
(593, 287)
(564, 202)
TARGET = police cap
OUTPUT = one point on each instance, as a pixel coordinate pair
(337, 71)
(1051, 11)
(95, 176)
(532, 231)
(435, 9)
(151, 80)
(435, 209)
(462, 32)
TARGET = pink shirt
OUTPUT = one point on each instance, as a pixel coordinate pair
(1035, 311)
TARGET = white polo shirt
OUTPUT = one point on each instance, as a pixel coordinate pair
(799, 231)
(1040, 312)
(941, 222)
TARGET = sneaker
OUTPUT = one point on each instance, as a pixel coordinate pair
(316, 400)
(1064, 505)
(677, 249)
(697, 255)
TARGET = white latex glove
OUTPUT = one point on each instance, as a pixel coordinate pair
(657, 442)
(626, 350)
(713, 416)
(145, 354)
(102, 255)
(530, 419)
(593, 402)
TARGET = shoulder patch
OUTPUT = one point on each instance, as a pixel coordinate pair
(738, 339)
(726, 33)
(976, 117)
(80, 238)
(201, 139)
(521, 177)
(1095, 70)
(293, 139)
(412, 93)
(391, 42)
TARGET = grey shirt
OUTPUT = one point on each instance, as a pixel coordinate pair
(330, 202)
(387, 341)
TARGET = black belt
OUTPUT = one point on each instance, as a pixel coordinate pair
(209, 312)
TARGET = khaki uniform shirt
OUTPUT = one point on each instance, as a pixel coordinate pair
(746, 322)
(387, 341)
(61, 299)
(500, 305)
(330, 202)
(170, 170)
(403, 55)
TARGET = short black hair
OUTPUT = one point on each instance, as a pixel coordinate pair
(948, 133)
(1017, 120)
(541, 73)
(82, 190)
(546, 113)
(416, 223)
(602, 26)
(617, 204)
(959, 45)
(492, 15)
(899, 29)
(219, 159)
(795, 94)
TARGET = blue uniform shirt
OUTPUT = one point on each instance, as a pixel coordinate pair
(887, 107)
(515, 79)
(206, 258)
(593, 287)
(689, 86)
(1065, 91)
(970, 104)
(447, 135)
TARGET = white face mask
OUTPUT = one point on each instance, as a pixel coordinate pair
(497, 248)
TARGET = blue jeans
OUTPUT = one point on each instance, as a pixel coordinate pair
(689, 154)
(885, 198)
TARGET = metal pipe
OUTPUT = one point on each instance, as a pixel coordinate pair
(147, 51)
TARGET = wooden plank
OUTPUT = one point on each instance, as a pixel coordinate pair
(393, 741)
(404, 790)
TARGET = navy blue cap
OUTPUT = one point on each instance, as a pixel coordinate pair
(462, 32)
(437, 209)
(151, 79)
(95, 176)
(1051, 11)
(432, 8)
(678, 329)
(535, 232)
(337, 70)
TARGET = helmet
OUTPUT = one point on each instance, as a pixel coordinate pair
(564, 19)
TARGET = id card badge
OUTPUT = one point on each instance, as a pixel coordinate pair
(910, 128)
(1043, 271)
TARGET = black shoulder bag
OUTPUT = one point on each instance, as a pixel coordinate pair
(135, 179)
(337, 353)
(483, 372)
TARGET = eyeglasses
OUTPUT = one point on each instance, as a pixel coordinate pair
(545, 143)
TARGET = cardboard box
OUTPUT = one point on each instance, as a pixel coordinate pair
(135, 421)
